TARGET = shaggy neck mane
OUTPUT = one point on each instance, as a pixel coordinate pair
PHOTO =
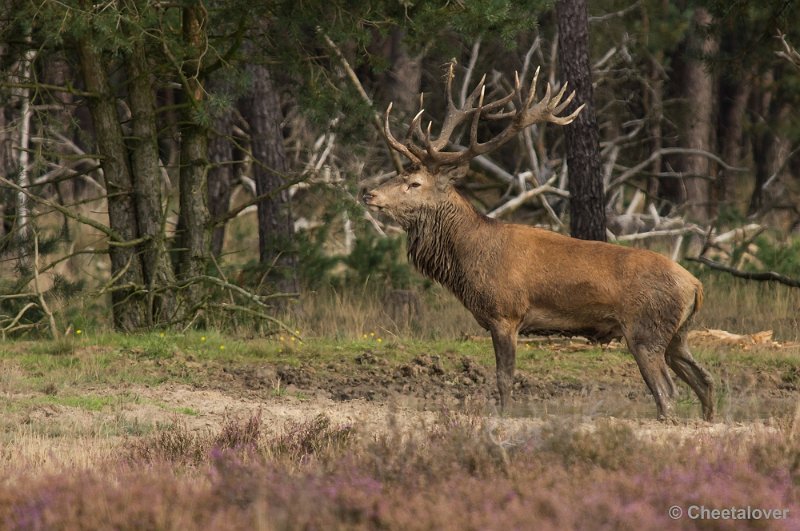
(438, 237)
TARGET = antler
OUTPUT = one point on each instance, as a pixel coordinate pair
(530, 112)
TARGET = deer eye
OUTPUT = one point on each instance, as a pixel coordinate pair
(414, 184)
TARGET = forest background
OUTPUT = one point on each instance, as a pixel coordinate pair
(198, 163)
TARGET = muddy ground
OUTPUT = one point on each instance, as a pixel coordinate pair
(453, 380)
(371, 389)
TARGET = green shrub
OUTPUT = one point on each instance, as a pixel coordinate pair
(783, 258)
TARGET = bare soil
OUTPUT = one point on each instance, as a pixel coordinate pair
(374, 392)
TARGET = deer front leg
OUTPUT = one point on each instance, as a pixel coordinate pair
(504, 339)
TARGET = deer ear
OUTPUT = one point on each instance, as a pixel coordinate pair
(450, 174)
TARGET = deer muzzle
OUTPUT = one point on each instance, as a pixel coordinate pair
(370, 199)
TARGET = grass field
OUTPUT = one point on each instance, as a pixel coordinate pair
(205, 431)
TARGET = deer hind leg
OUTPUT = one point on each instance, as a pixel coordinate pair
(504, 339)
(681, 361)
(649, 351)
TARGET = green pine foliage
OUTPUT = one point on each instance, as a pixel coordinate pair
(379, 260)
(777, 256)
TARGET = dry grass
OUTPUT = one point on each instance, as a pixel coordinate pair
(28, 449)
(351, 313)
(730, 304)
(747, 307)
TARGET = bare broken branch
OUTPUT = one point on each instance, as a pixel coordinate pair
(631, 172)
(768, 276)
(516, 202)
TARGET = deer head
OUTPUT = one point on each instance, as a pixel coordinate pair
(427, 181)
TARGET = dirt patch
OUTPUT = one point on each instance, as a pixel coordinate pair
(450, 379)
(374, 390)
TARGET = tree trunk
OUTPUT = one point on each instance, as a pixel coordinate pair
(653, 99)
(698, 85)
(261, 108)
(193, 219)
(220, 173)
(24, 224)
(587, 201)
(731, 136)
(129, 307)
(404, 78)
(57, 72)
(146, 169)
(220, 178)
(7, 166)
(761, 138)
(7, 171)
(770, 151)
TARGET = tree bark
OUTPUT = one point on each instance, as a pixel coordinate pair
(770, 150)
(404, 78)
(220, 177)
(6, 170)
(261, 109)
(7, 165)
(146, 170)
(220, 172)
(129, 307)
(23, 222)
(731, 136)
(698, 85)
(193, 219)
(587, 201)
(653, 100)
(57, 72)
(761, 138)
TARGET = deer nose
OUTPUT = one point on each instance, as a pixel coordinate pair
(367, 197)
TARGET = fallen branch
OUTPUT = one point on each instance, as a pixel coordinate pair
(789, 52)
(234, 212)
(630, 172)
(11, 327)
(516, 202)
(255, 313)
(69, 89)
(51, 321)
(658, 233)
(767, 276)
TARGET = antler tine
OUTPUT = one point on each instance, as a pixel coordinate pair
(500, 104)
(428, 144)
(478, 89)
(561, 106)
(555, 102)
(566, 120)
(393, 142)
(546, 99)
(473, 131)
(454, 115)
(532, 90)
(531, 111)
(450, 75)
(415, 128)
(476, 118)
(547, 110)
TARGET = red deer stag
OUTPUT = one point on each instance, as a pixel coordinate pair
(520, 279)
